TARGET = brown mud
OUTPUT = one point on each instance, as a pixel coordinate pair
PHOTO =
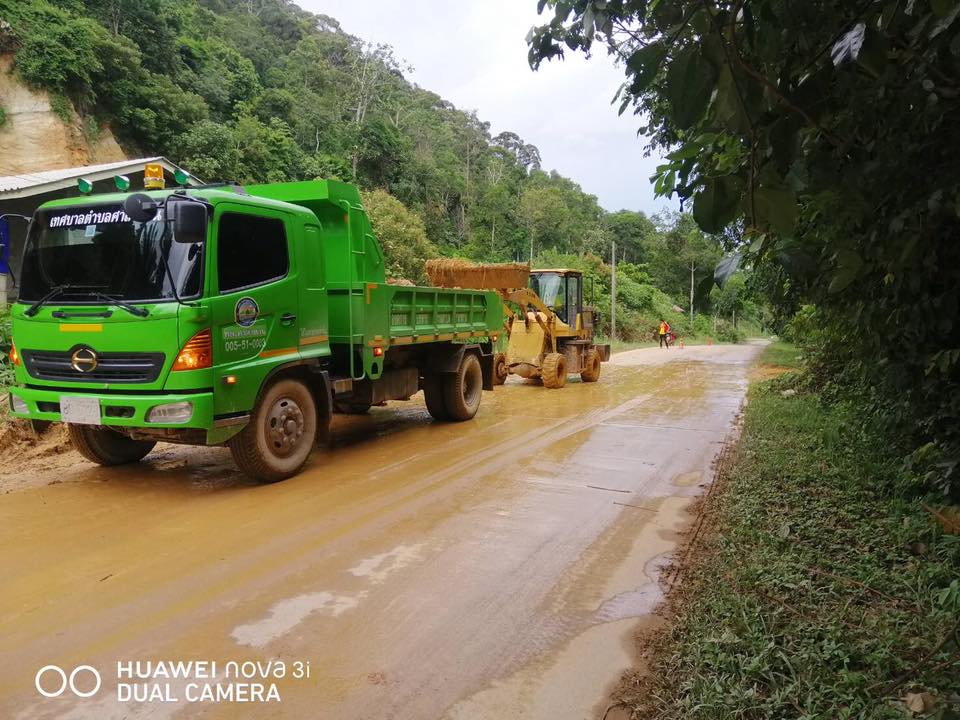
(495, 568)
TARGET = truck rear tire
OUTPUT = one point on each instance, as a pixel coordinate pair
(433, 396)
(591, 367)
(277, 441)
(500, 369)
(107, 447)
(554, 371)
(462, 390)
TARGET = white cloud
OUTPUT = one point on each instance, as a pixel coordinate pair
(474, 55)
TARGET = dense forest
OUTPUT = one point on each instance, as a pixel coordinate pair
(261, 90)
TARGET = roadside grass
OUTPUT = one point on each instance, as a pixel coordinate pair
(813, 590)
(781, 354)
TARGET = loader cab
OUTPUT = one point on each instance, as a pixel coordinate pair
(561, 290)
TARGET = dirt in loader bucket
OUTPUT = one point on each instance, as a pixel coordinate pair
(455, 273)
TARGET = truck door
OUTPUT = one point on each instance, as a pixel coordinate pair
(255, 306)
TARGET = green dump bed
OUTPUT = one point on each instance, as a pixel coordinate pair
(383, 315)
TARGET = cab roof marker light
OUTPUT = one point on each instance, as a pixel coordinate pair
(153, 177)
(84, 186)
(181, 176)
(122, 182)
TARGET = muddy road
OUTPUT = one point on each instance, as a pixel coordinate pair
(489, 569)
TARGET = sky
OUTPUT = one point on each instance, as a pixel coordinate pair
(473, 53)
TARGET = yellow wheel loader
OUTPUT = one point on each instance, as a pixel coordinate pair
(550, 331)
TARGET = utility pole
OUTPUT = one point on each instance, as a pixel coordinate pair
(692, 266)
(613, 292)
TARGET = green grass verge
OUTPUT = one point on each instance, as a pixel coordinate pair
(814, 590)
(781, 354)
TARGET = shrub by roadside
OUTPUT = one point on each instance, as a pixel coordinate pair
(815, 590)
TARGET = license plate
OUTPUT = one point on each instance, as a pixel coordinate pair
(80, 410)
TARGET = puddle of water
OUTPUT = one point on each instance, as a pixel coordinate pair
(287, 614)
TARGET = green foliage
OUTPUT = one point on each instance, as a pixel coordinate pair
(826, 133)
(3, 117)
(402, 235)
(813, 592)
(61, 107)
(6, 339)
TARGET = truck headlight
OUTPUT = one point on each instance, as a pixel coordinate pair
(18, 404)
(178, 412)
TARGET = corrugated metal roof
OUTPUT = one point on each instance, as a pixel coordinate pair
(41, 181)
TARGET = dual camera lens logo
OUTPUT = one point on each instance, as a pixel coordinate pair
(44, 681)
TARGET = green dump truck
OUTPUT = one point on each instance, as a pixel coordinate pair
(243, 316)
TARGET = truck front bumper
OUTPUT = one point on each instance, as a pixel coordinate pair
(128, 410)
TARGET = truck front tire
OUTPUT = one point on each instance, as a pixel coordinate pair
(107, 447)
(277, 441)
(462, 390)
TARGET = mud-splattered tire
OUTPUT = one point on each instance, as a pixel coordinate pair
(462, 390)
(591, 367)
(554, 371)
(277, 441)
(500, 369)
(107, 447)
(433, 396)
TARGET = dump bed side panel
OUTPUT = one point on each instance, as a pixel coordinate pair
(391, 314)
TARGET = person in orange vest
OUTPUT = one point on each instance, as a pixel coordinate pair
(664, 333)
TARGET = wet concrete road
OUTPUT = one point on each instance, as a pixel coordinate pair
(489, 569)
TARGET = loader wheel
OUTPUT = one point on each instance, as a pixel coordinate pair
(277, 441)
(107, 447)
(462, 389)
(554, 371)
(591, 368)
(433, 396)
(500, 369)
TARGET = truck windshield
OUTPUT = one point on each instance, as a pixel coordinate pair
(99, 249)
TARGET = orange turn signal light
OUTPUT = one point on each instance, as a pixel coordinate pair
(197, 353)
(230, 379)
(377, 351)
(14, 355)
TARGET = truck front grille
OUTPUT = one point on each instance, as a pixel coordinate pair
(112, 367)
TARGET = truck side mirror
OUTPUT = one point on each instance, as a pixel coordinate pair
(140, 207)
(189, 221)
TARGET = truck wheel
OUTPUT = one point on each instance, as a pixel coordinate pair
(277, 441)
(500, 369)
(554, 371)
(433, 395)
(107, 447)
(462, 389)
(591, 368)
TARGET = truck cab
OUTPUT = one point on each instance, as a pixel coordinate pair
(229, 315)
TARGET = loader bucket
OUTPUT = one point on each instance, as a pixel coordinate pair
(453, 273)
